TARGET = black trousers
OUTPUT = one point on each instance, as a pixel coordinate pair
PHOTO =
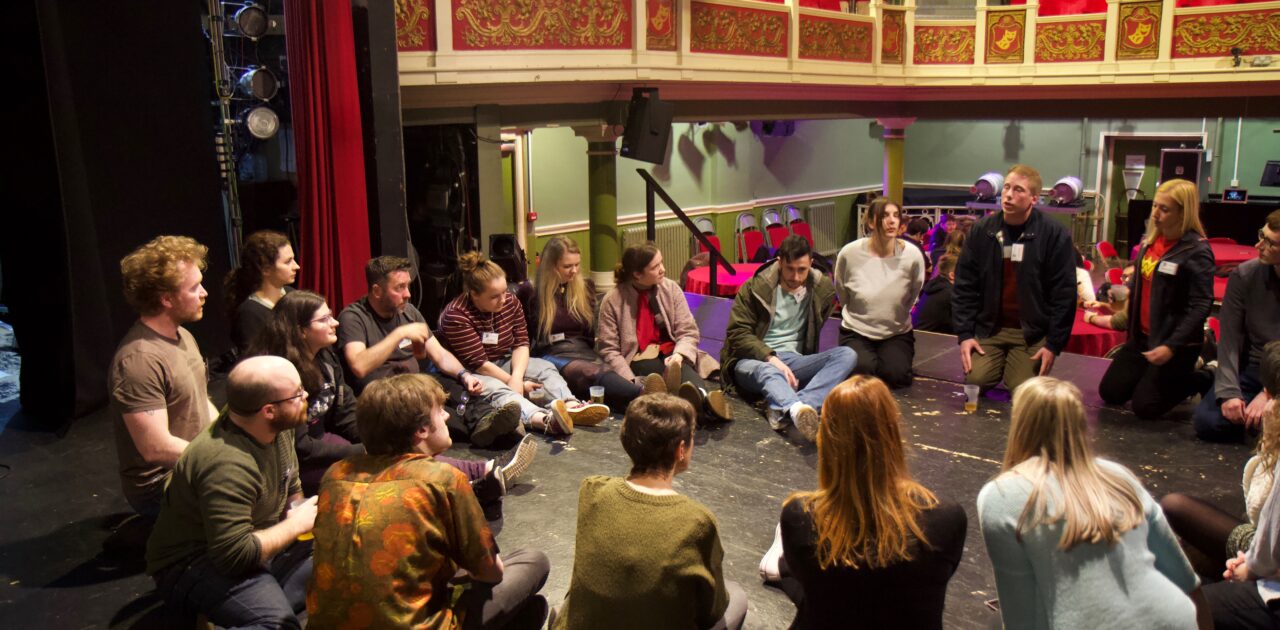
(1153, 389)
(886, 359)
(1238, 605)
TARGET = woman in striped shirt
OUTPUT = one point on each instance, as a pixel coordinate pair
(485, 328)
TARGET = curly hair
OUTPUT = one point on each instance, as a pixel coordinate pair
(155, 268)
(258, 254)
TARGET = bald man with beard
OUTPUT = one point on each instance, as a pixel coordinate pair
(226, 542)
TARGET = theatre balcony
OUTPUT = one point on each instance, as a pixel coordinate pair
(762, 58)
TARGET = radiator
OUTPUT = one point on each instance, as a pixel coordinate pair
(822, 222)
(671, 237)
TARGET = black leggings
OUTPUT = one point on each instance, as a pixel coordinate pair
(1154, 389)
(1202, 525)
(581, 375)
(887, 359)
(688, 374)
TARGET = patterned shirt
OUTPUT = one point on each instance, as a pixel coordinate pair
(466, 329)
(391, 531)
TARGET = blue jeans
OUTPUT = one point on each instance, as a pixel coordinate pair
(817, 374)
(1210, 424)
(264, 598)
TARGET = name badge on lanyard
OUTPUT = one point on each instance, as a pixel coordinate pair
(489, 339)
(557, 337)
(1017, 252)
(1168, 268)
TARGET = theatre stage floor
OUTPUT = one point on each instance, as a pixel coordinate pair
(61, 496)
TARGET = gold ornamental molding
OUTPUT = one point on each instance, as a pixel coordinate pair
(943, 44)
(660, 25)
(1214, 35)
(415, 30)
(835, 39)
(893, 37)
(733, 30)
(541, 24)
(1071, 41)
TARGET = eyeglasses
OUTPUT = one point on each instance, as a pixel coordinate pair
(1266, 242)
(326, 319)
(300, 394)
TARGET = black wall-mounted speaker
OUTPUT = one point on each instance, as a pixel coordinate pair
(1181, 164)
(648, 127)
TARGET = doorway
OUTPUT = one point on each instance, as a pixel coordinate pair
(1135, 151)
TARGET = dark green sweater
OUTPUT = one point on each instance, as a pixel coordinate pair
(224, 487)
(643, 561)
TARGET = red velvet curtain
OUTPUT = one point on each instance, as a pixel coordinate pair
(330, 148)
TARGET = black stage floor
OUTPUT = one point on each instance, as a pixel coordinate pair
(61, 496)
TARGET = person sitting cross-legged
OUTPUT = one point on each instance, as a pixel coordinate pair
(645, 556)
(395, 529)
(771, 346)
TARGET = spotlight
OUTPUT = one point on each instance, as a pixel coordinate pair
(251, 21)
(261, 122)
(1066, 191)
(259, 82)
(988, 186)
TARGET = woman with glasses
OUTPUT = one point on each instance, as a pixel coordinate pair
(1171, 297)
(303, 330)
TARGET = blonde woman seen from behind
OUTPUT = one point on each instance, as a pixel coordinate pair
(1075, 540)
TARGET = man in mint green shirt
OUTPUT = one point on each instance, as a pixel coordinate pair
(771, 345)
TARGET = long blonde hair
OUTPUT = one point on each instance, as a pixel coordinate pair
(1097, 505)
(1187, 196)
(867, 507)
(576, 296)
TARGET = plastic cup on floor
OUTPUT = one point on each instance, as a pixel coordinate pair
(597, 394)
(971, 398)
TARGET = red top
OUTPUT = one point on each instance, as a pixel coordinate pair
(648, 332)
(1010, 317)
(1149, 263)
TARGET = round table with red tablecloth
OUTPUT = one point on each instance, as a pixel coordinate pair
(727, 284)
(1092, 340)
(1232, 254)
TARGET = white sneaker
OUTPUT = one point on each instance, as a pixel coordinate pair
(769, 571)
(807, 420)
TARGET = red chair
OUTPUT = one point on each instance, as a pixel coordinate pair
(1115, 275)
(799, 225)
(1106, 250)
(708, 228)
(1214, 328)
(774, 227)
(1088, 266)
(1223, 239)
(749, 237)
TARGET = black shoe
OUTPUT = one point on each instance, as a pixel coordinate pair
(496, 424)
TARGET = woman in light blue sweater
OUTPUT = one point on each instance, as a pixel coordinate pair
(1075, 541)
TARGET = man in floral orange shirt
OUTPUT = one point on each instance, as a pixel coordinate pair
(394, 527)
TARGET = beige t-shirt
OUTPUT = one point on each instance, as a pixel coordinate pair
(151, 372)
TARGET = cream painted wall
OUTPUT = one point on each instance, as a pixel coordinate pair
(707, 165)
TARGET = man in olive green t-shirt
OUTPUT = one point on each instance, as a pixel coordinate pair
(226, 542)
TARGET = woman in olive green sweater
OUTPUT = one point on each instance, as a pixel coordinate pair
(667, 574)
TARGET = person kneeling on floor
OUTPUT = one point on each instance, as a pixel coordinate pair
(397, 512)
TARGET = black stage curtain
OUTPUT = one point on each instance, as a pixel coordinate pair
(121, 151)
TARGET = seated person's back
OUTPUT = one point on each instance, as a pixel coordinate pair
(645, 556)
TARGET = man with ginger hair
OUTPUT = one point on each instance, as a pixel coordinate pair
(157, 380)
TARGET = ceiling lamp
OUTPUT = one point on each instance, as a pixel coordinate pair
(1066, 191)
(261, 122)
(988, 186)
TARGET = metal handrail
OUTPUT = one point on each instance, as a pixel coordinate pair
(652, 188)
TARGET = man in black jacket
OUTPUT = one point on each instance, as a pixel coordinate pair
(1014, 295)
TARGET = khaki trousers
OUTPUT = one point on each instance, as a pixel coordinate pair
(1007, 358)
